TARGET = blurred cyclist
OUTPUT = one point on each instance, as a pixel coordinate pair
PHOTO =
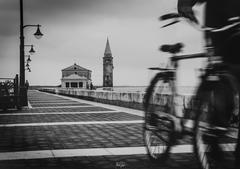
(225, 43)
(217, 15)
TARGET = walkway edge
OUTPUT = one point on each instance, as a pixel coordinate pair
(84, 152)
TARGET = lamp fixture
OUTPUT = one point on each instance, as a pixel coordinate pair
(31, 51)
(38, 34)
(29, 59)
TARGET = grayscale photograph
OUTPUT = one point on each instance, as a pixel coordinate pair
(119, 84)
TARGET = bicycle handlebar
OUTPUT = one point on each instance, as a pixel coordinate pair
(169, 16)
(234, 21)
(192, 56)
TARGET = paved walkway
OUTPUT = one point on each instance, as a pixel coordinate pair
(64, 133)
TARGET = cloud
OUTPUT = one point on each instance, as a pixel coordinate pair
(76, 31)
(64, 10)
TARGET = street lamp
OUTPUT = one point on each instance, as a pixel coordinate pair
(28, 59)
(31, 51)
(38, 34)
(27, 66)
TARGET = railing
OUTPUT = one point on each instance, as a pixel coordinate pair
(9, 94)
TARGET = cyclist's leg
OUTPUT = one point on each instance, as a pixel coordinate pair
(233, 52)
(236, 70)
(178, 110)
(237, 153)
(231, 47)
(213, 125)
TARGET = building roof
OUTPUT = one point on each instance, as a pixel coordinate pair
(74, 77)
(107, 49)
(75, 67)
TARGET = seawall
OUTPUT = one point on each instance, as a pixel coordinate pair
(125, 99)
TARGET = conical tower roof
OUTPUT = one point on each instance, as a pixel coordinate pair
(107, 49)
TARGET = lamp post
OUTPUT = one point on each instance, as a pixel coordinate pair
(38, 34)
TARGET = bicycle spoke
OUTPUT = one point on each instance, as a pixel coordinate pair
(158, 126)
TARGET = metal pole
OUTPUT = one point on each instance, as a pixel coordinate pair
(23, 91)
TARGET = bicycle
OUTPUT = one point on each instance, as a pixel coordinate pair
(214, 113)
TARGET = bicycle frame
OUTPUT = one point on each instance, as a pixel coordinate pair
(214, 67)
(217, 103)
(170, 72)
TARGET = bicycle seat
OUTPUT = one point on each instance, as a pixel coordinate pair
(173, 49)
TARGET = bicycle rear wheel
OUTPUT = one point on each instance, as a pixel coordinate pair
(158, 128)
(217, 124)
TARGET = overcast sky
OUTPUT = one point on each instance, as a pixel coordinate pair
(75, 31)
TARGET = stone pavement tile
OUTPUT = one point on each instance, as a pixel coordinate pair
(32, 164)
(70, 137)
(142, 162)
(179, 161)
(52, 102)
(45, 118)
(47, 110)
(47, 98)
(58, 105)
(44, 100)
(49, 101)
(44, 97)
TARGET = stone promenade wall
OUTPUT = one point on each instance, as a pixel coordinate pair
(124, 99)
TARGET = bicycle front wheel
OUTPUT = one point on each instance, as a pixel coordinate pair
(217, 124)
(158, 127)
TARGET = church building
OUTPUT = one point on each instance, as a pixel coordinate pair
(107, 67)
(76, 76)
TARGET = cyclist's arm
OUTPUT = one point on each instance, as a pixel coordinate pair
(185, 8)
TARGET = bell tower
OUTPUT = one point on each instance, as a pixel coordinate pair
(107, 67)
